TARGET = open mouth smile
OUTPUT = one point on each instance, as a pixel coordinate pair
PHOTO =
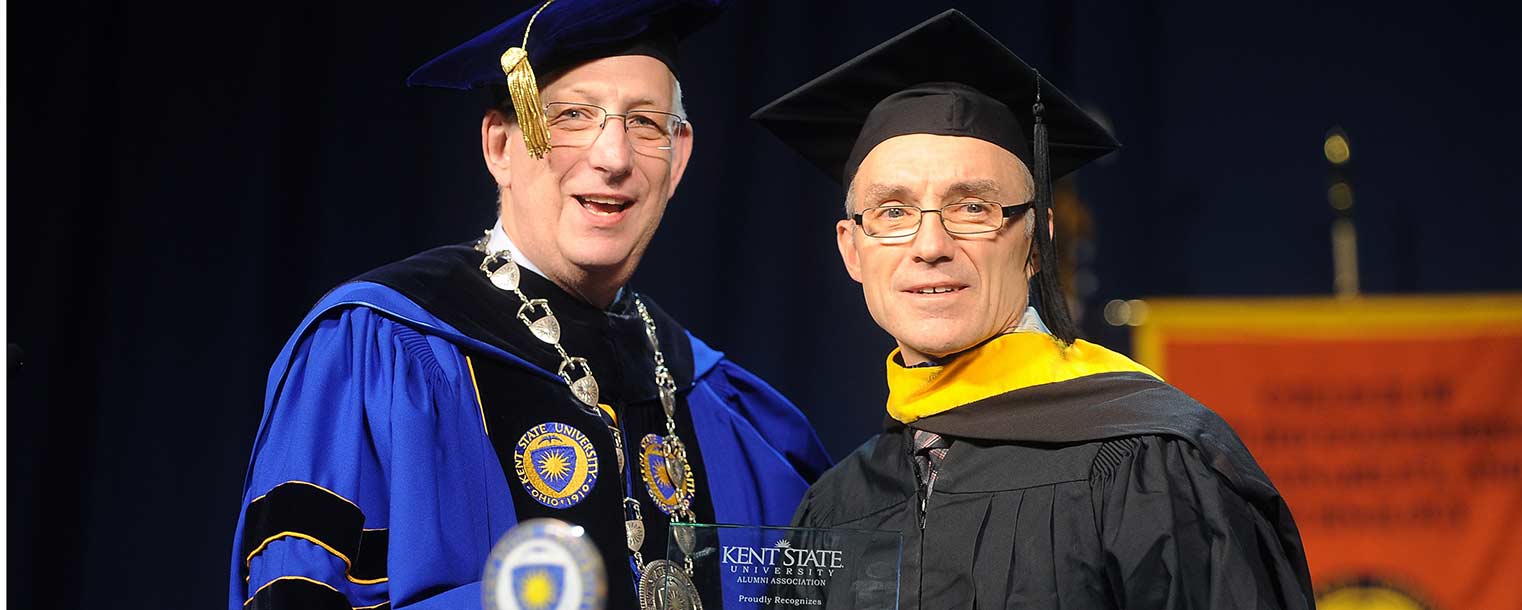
(603, 205)
(936, 289)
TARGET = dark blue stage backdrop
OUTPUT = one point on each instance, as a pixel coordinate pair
(187, 178)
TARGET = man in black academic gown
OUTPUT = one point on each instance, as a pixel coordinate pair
(1025, 468)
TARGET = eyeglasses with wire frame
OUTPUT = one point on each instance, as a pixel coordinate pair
(578, 124)
(960, 218)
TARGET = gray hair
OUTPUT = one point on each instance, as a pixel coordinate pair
(677, 106)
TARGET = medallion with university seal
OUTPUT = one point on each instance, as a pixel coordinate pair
(556, 464)
(663, 466)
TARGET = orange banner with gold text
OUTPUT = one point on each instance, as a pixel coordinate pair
(1392, 426)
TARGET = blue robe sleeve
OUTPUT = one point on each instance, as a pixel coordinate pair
(776, 419)
(764, 447)
(364, 448)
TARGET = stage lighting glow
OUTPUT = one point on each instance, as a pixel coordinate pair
(1139, 311)
(1117, 312)
(1341, 196)
(1336, 149)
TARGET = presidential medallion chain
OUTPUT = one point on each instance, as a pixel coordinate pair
(674, 494)
(504, 273)
(663, 584)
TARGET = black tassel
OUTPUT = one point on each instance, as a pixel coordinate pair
(1051, 304)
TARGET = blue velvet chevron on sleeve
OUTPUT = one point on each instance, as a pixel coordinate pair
(371, 441)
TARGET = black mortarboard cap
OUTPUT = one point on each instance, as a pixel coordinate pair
(555, 35)
(947, 76)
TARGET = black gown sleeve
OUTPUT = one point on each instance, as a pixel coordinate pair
(1177, 534)
(803, 516)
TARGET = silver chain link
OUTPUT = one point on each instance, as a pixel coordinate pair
(504, 273)
(664, 382)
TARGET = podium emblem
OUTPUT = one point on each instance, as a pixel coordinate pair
(544, 564)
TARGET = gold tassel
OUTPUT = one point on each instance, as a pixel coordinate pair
(524, 91)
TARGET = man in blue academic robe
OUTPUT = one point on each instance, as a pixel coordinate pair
(422, 409)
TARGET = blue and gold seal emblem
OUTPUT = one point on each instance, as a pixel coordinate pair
(543, 564)
(663, 466)
(556, 463)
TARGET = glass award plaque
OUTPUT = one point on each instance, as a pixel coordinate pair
(733, 567)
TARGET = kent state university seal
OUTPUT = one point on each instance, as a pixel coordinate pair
(666, 474)
(543, 564)
(556, 463)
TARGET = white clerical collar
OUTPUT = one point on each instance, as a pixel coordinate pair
(500, 241)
